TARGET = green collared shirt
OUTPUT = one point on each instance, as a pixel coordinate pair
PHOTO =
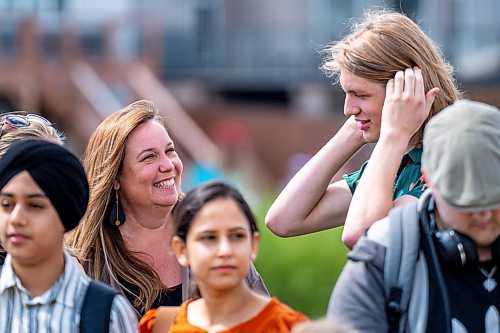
(408, 179)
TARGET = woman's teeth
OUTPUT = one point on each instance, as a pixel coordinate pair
(165, 183)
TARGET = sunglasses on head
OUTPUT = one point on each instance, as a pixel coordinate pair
(19, 120)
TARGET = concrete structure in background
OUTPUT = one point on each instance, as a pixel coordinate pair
(265, 43)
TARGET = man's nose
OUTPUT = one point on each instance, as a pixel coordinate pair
(350, 107)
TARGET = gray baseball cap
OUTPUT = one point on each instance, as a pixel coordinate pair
(461, 156)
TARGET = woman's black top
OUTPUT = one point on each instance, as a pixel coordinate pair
(168, 297)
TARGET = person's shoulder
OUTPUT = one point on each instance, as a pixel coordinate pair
(282, 317)
(124, 314)
(379, 232)
(281, 307)
(180, 322)
(183, 310)
(401, 221)
(147, 321)
(372, 247)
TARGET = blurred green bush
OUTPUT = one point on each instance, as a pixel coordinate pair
(300, 271)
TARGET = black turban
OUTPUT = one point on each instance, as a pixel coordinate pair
(57, 172)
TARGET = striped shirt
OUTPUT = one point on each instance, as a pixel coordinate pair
(57, 309)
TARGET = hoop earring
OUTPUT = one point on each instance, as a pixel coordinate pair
(117, 216)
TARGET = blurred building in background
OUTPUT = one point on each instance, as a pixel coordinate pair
(206, 63)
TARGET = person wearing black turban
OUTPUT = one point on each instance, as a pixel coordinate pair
(58, 173)
(44, 193)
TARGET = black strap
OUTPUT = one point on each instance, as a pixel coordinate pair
(435, 274)
(393, 309)
(399, 267)
(96, 309)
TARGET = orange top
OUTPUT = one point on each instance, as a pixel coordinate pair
(276, 317)
(147, 321)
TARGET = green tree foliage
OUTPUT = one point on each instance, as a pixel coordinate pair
(300, 271)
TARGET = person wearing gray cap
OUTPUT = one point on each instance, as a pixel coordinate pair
(445, 277)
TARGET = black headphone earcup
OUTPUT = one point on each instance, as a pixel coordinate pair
(455, 249)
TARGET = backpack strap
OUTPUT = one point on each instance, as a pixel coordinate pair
(96, 309)
(165, 316)
(400, 259)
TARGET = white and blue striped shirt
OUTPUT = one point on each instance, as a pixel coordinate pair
(58, 309)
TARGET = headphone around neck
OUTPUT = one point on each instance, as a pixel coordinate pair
(455, 249)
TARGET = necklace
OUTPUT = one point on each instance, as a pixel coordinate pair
(489, 284)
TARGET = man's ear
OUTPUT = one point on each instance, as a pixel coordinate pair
(255, 245)
(180, 250)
